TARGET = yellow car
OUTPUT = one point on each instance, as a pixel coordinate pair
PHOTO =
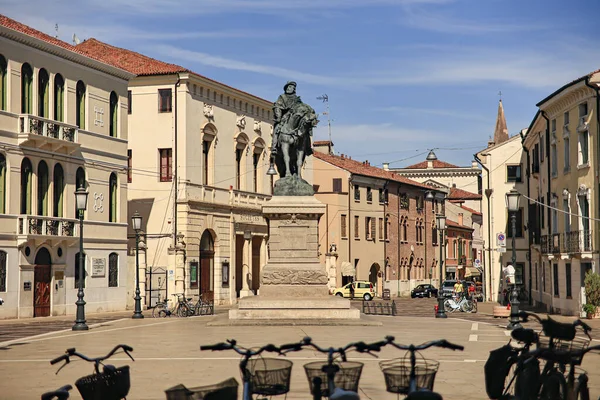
(362, 289)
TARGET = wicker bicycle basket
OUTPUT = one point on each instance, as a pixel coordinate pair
(270, 376)
(397, 374)
(346, 378)
(226, 390)
(576, 344)
(108, 385)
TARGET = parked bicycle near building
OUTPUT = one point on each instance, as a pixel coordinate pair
(183, 307)
(110, 384)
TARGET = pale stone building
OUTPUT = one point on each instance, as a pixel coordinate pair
(63, 124)
(563, 157)
(503, 169)
(198, 150)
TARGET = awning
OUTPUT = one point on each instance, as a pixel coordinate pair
(472, 271)
(348, 269)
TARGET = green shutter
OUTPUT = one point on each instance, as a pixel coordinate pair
(3, 78)
(59, 183)
(2, 183)
(113, 198)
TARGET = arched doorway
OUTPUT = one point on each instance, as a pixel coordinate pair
(42, 276)
(207, 261)
(375, 278)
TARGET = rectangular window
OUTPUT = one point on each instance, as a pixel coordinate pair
(343, 227)
(381, 197)
(166, 165)
(542, 153)
(337, 185)
(356, 235)
(164, 100)
(519, 224)
(238, 168)
(513, 173)
(367, 228)
(381, 237)
(567, 151)
(535, 282)
(535, 159)
(374, 229)
(544, 276)
(542, 213)
(356, 193)
(583, 147)
(194, 275)
(129, 102)
(554, 160)
(553, 126)
(404, 203)
(566, 215)
(255, 160)
(566, 119)
(568, 279)
(369, 195)
(519, 267)
(556, 291)
(385, 229)
(205, 150)
(129, 166)
(583, 110)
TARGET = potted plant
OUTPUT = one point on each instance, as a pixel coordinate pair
(592, 293)
(589, 310)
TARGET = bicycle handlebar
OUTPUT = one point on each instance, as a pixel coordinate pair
(555, 329)
(560, 356)
(246, 353)
(72, 352)
(443, 343)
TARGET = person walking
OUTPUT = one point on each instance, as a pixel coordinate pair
(352, 291)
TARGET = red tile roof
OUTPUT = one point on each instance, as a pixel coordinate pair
(472, 211)
(359, 168)
(436, 164)
(137, 63)
(19, 27)
(322, 142)
(459, 194)
(453, 224)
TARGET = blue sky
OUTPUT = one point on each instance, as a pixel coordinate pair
(402, 76)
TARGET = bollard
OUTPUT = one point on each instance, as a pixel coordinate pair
(435, 308)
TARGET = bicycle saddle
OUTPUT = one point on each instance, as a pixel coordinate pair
(525, 335)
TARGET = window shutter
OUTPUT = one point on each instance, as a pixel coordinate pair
(367, 226)
(337, 185)
(373, 228)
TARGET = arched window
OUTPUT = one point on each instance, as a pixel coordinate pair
(43, 93)
(3, 83)
(2, 184)
(114, 102)
(59, 188)
(59, 98)
(80, 105)
(76, 274)
(26, 171)
(259, 148)
(2, 271)
(79, 182)
(26, 89)
(42, 189)
(240, 165)
(112, 198)
(113, 270)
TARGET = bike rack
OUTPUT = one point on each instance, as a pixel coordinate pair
(379, 308)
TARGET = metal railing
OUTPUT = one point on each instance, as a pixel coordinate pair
(46, 127)
(45, 226)
(572, 242)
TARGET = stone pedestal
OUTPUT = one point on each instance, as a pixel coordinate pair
(294, 283)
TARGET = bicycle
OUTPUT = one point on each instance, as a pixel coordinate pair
(526, 381)
(202, 307)
(181, 309)
(58, 394)
(337, 380)
(110, 384)
(262, 376)
(411, 376)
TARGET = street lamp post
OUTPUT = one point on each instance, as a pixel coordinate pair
(441, 226)
(81, 196)
(512, 203)
(136, 222)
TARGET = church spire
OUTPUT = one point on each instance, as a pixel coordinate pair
(501, 131)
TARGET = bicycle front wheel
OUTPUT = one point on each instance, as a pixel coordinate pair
(159, 311)
(554, 387)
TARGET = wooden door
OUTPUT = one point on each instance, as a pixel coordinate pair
(41, 295)
(206, 262)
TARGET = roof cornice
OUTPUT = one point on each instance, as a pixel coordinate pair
(61, 52)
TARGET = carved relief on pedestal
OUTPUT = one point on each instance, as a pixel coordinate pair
(208, 111)
(293, 277)
(241, 122)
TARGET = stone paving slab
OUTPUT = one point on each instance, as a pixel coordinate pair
(167, 353)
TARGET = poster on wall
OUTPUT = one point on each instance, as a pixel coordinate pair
(98, 267)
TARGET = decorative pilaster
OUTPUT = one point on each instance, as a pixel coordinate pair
(180, 264)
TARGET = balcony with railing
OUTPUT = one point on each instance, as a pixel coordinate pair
(545, 244)
(47, 134)
(225, 197)
(46, 229)
(578, 242)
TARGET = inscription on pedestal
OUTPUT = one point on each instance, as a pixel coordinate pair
(293, 238)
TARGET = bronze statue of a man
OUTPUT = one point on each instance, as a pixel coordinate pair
(281, 109)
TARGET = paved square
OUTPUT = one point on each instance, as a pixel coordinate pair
(166, 353)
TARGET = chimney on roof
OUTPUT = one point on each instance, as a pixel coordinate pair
(431, 157)
(367, 163)
(386, 166)
(454, 185)
(460, 218)
(324, 146)
(474, 164)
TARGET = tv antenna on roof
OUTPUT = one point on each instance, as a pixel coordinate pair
(325, 100)
(56, 29)
(76, 40)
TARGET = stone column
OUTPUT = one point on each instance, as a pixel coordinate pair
(246, 263)
(180, 264)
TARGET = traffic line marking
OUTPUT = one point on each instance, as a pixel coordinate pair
(472, 338)
(475, 326)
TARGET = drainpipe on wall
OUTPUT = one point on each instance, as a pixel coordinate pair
(528, 174)
(489, 226)
(349, 226)
(175, 182)
(597, 90)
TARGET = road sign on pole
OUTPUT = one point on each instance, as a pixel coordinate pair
(501, 239)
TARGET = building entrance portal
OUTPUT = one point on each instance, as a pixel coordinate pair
(42, 277)
(207, 262)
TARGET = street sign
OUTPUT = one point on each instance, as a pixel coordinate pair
(501, 249)
(477, 263)
(501, 239)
